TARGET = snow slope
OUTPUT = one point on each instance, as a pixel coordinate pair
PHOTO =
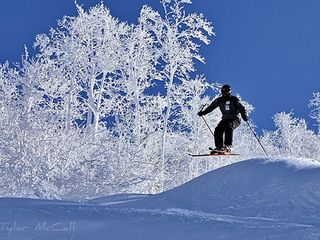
(253, 199)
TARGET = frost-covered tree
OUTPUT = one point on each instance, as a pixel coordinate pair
(177, 34)
(9, 123)
(292, 138)
(315, 108)
(36, 154)
(88, 50)
(137, 71)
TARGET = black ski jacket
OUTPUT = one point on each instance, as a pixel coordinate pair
(230, 108)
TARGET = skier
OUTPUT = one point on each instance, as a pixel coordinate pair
(230, 108)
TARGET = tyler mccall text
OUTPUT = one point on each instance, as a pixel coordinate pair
(9, 228)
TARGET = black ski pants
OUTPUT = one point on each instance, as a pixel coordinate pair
(225, 128)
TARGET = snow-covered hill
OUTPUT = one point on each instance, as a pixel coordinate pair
(254, 199)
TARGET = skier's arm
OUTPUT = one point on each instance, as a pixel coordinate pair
(210, 108)
(242, 111)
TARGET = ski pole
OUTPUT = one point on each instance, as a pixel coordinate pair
(206, 121)
(257, 138)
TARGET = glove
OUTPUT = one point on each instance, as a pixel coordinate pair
(200, 114)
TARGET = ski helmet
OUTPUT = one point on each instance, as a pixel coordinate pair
(225, 90)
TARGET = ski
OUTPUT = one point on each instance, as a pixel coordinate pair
(214, 154)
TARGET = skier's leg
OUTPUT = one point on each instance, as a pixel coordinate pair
(229, 132)
(218, 135)
(228, 136)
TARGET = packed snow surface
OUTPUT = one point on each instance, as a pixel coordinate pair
(253, 199)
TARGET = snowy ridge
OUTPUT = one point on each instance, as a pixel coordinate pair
(253, 199)
(298, 163)
(198, 216)
(270, 188)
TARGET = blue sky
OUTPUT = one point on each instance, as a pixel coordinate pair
(268, 50)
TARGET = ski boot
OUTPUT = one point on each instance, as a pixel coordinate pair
(216, 150)
(223, 150)
(227, 149)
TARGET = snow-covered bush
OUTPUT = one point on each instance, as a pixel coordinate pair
(292, 138)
